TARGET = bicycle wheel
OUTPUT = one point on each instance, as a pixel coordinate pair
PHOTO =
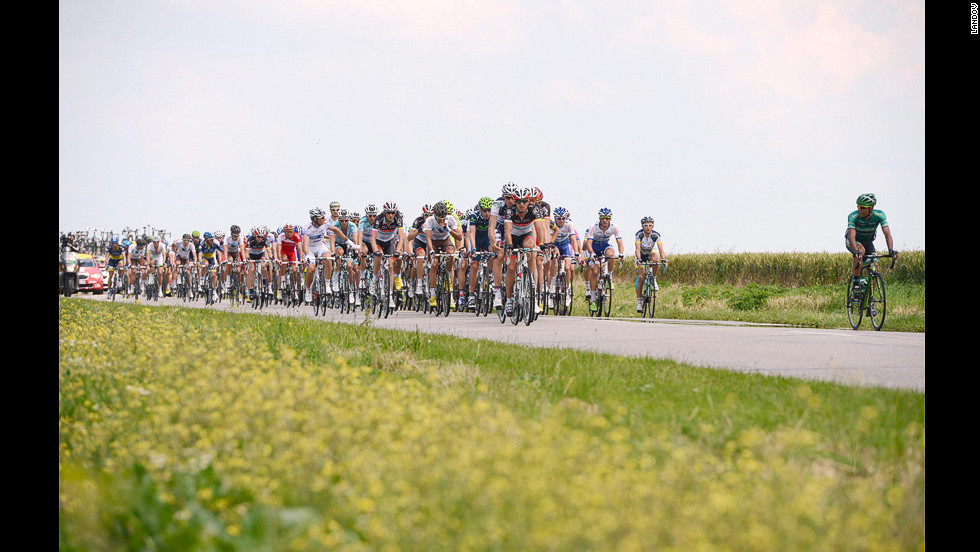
(876, 301)
(530, 300)
(561, 294)
(606, 306)
(853, 305)
(648, 297)
(517, 295)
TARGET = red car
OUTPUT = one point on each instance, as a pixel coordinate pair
(89, 275)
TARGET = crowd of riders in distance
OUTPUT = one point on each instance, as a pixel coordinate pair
(518, 218)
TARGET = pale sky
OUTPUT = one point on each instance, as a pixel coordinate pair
(739, 125)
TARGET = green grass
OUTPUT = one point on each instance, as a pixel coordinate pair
(798, 289)
(380, 439)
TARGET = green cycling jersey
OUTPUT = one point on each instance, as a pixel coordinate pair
(866, 228)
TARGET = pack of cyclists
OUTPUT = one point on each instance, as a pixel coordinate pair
(518, 218)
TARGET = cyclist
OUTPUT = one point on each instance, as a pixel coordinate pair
(343, 244)
(317, 244)
(232, 249)
(496, 232)
(285, 247)
(416, 237)
(137, 259)
(117, 257)
(185, 252)
(478, 239)
(646, 239)
(257, 243)
(518, 227)
(210, 247)
(598, 244)
(365, 236)
(565, 237)
(156, 251)
(859, 238)
(438, 230)
(389, 239)
(542, 226)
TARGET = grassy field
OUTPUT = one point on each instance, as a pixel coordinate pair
(799, 289)
(190, 429)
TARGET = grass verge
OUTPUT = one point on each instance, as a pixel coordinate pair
(191, 429)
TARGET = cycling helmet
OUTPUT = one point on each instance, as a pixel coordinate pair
(390, 207)
(509, 189)
(440, 210)
(459, 214)
(486, 203)
(334, 204)
(140, 242)
(207, 236)
(196, 234)
(219, 235)
(256, 231)
(235, 229)
(371, 209)
(561, 213)
(427, 209)
(316, 213)
(156, 238)
(525, 193)
(450, 208)
(867, 200)
(646, 219)
(468, 213)
(538, 194)
(343, 214)
(287, 225)
(355, 216)
(605, 212)
(114, 240)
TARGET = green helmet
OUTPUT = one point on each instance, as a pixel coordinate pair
(449, 206)
(867, 200)
(196, 234)
(486, 203)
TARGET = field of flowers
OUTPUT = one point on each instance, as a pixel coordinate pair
(182, 429)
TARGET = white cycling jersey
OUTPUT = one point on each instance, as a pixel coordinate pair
(603, 236)
(233, 245)
(185, 252)
(318, 238)
(440, 232)
(136, 252)
(565, 232)
(158, 253)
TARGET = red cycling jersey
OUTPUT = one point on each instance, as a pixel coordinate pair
(287, 244)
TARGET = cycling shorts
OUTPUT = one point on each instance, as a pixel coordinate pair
(869, 246)
(319, 250)
(599, 248)
(289, 255)
(386, 247)
(256, 256)
(565, 249)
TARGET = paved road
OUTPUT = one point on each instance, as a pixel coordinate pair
(886, 359)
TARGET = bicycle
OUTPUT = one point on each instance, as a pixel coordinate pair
(384, 298)
(870, 298)
(604, 288)
(443, 289)
(564, 291)
(318, 289)
(648, 291)
(484, 282)
(524, 292)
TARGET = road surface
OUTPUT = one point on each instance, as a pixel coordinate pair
(868, 358)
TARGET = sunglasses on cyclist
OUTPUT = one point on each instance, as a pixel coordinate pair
(523, 200)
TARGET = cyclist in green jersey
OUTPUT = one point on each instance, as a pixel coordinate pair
(862, 226)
